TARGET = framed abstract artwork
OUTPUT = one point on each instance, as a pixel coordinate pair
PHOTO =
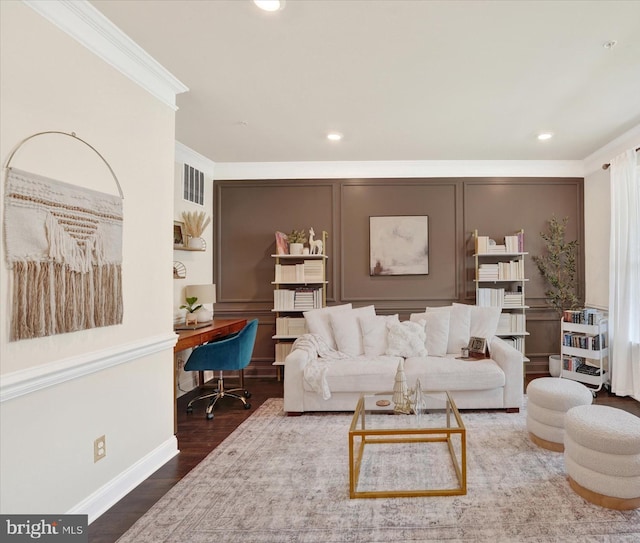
(399, 245)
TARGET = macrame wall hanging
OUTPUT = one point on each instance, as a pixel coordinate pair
(64, 249)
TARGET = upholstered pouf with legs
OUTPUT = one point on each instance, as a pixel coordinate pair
(602, 455)
(549, 399)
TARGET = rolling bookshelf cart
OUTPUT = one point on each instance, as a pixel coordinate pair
(500, 282)
(584, 348)
(300, 285)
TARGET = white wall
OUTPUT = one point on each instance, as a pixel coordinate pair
(199, 265)
(61, 392)
(597, 216)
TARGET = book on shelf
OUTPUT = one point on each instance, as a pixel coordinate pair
(516, 342)
(501, 271)
(583, 316)
(291, 326)
(571, 363)
(512, 244)
(511, 323)
(584, 341)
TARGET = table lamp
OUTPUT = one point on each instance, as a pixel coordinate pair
(206, 294)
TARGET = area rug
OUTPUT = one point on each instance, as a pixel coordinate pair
(280, 479)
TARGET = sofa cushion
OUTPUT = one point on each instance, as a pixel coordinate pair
(346, 329)
(437, 373)
(377, 374)
(318, 322)
(436, 325)
(406, 339)
(360, 374)
(459, 325)
(374, 331)
(484, 321)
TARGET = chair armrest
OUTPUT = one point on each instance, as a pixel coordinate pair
(511, 362)
(294, 366)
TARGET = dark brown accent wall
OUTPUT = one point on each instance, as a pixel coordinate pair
(247, 214)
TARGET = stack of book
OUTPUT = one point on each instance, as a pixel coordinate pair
(291, 326)
(488, 272)
(513, 299)
(313, 271)
(307, 298)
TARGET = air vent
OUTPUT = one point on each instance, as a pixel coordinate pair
(193, 185)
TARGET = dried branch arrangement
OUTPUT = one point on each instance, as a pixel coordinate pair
(195, 222)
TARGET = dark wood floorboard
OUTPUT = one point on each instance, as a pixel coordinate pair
(197, 437)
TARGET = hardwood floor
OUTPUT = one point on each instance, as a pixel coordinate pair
(197, 437)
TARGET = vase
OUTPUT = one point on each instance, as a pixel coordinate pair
(190, 319)
(203, 315)
(196, 243)
(296, 248)
(555, 365)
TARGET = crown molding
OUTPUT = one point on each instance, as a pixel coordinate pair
(186, 155)
(84, 23)
(399, 168)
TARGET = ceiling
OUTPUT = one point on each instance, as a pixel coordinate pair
(402, 80)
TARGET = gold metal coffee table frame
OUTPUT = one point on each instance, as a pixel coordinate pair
(362, 434)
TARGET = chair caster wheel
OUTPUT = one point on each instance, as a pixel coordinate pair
(247, 406)
(189, 409)
(247, 394)
(209, 416)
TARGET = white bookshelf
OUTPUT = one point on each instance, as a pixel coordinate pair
(584, 348)
(300, 284)
(500, 281)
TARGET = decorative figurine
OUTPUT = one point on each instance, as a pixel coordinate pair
(401, 401)
(315, 246)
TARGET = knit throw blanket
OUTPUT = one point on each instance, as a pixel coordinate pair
(64, 250)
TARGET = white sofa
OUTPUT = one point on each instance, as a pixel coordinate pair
(362, 351)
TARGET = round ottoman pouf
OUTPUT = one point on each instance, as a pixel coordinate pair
(602, 455)
(549, 399)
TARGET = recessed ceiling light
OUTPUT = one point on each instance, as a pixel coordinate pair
(334, 136)
(545, 136)
(270, 5)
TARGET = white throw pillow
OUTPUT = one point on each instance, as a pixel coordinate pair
(484, 321)
(436, 325)
(346, 329)
(374, 333)
(318, 322)
(459, 325)
(406, 339)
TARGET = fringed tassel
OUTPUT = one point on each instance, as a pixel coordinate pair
(50, 298)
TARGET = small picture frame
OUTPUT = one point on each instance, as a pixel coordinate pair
(477, 347)
(178, 234)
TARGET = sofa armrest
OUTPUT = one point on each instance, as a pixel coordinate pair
(510, 361)
(294, 366)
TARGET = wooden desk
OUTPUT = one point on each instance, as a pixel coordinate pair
(218, 329)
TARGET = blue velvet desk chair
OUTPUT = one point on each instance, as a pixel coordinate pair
(232, 353)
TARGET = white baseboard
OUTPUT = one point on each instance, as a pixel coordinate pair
(108, 495)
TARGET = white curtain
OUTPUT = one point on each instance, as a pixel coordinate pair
(624, 276)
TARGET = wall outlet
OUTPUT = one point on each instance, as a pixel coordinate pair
(99, 448)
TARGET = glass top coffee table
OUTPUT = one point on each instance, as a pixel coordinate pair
(396, 455)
